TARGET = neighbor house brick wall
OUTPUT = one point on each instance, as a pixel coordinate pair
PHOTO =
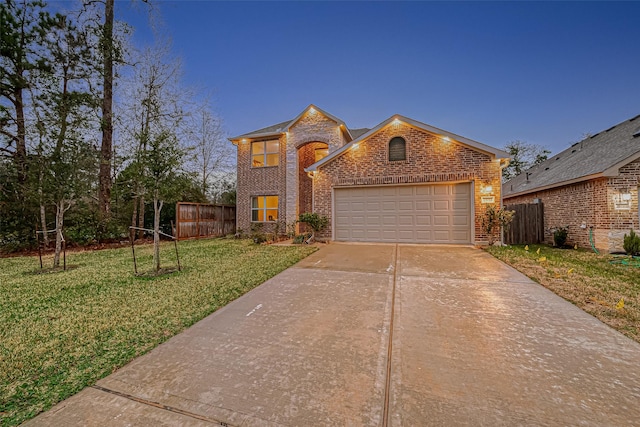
(572, 205)
(311, 127)
(430, 159)
(259, 181)
(591, 203)
(623, 220)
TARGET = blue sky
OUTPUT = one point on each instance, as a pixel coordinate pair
(542, 72)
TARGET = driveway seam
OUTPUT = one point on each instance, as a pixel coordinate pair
(161, 406)
(387, 387)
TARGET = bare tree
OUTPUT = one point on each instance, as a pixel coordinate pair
(151, 104)
(213, 155)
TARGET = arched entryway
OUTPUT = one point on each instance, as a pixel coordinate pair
(308, 154)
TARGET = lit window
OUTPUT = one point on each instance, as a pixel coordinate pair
(321, 153)
(264, 208)
(397, 149)
(265, 153)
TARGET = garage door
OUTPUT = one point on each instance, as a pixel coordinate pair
(417, 214)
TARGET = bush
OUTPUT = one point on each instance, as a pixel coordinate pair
(493, 219)
(560, 236)
(257, 233)
(315, 221)
(631, 243)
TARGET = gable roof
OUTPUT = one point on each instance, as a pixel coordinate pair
(280, 128)
(600, 155)
(431, 129)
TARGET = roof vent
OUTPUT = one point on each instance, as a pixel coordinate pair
(636, 133)
(573, 151)
(557, 158)
(610, 128)
(546, 168)
(634, 118)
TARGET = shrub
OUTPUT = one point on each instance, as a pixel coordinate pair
(257, 233)
(631, 243)
(315, 221)
(560, 236)
(493, 219)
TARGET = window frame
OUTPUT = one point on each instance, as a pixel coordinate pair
(265, 154)
(265, 209)
(404, 147)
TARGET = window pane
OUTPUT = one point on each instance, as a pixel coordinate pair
(272, 159)
(257, 147)
(254, 215)
(258, 161)
(254, 202)
(272, 202)
(272, 215)
(321, 153)
(273, 146)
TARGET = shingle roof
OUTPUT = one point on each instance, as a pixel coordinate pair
(593, 156)
(269, 129)
(356, 133)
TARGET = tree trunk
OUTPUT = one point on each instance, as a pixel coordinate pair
(43, 223)
(104, 196)
(157, 207)
(134, 217)
(21, 145)
(60, 210)
(141, 217)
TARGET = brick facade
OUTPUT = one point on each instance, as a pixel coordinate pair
(312, 127)
(430, 159)
(590, 205)
(259, 181)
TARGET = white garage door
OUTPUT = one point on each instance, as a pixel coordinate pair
(419, 214)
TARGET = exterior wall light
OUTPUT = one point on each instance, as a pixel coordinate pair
(625, 196)
(446, 139)
(244, 140)
(396, 122)
(312, 110)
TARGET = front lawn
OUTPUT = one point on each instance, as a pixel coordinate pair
(595, 283)
(62, 331)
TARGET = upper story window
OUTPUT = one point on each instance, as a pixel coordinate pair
(320, 153)
(397, 149)
(265, 153)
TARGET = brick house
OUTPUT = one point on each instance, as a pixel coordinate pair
(591, 186)
(402, 181)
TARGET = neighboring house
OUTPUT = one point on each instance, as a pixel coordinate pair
(402, 181)
(592, 187)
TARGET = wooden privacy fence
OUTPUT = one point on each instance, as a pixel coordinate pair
(527, 226)
(198, 220)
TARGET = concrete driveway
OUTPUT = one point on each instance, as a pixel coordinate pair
(375, 335)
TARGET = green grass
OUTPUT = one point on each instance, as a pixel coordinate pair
(591, 281)
(62, 331)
